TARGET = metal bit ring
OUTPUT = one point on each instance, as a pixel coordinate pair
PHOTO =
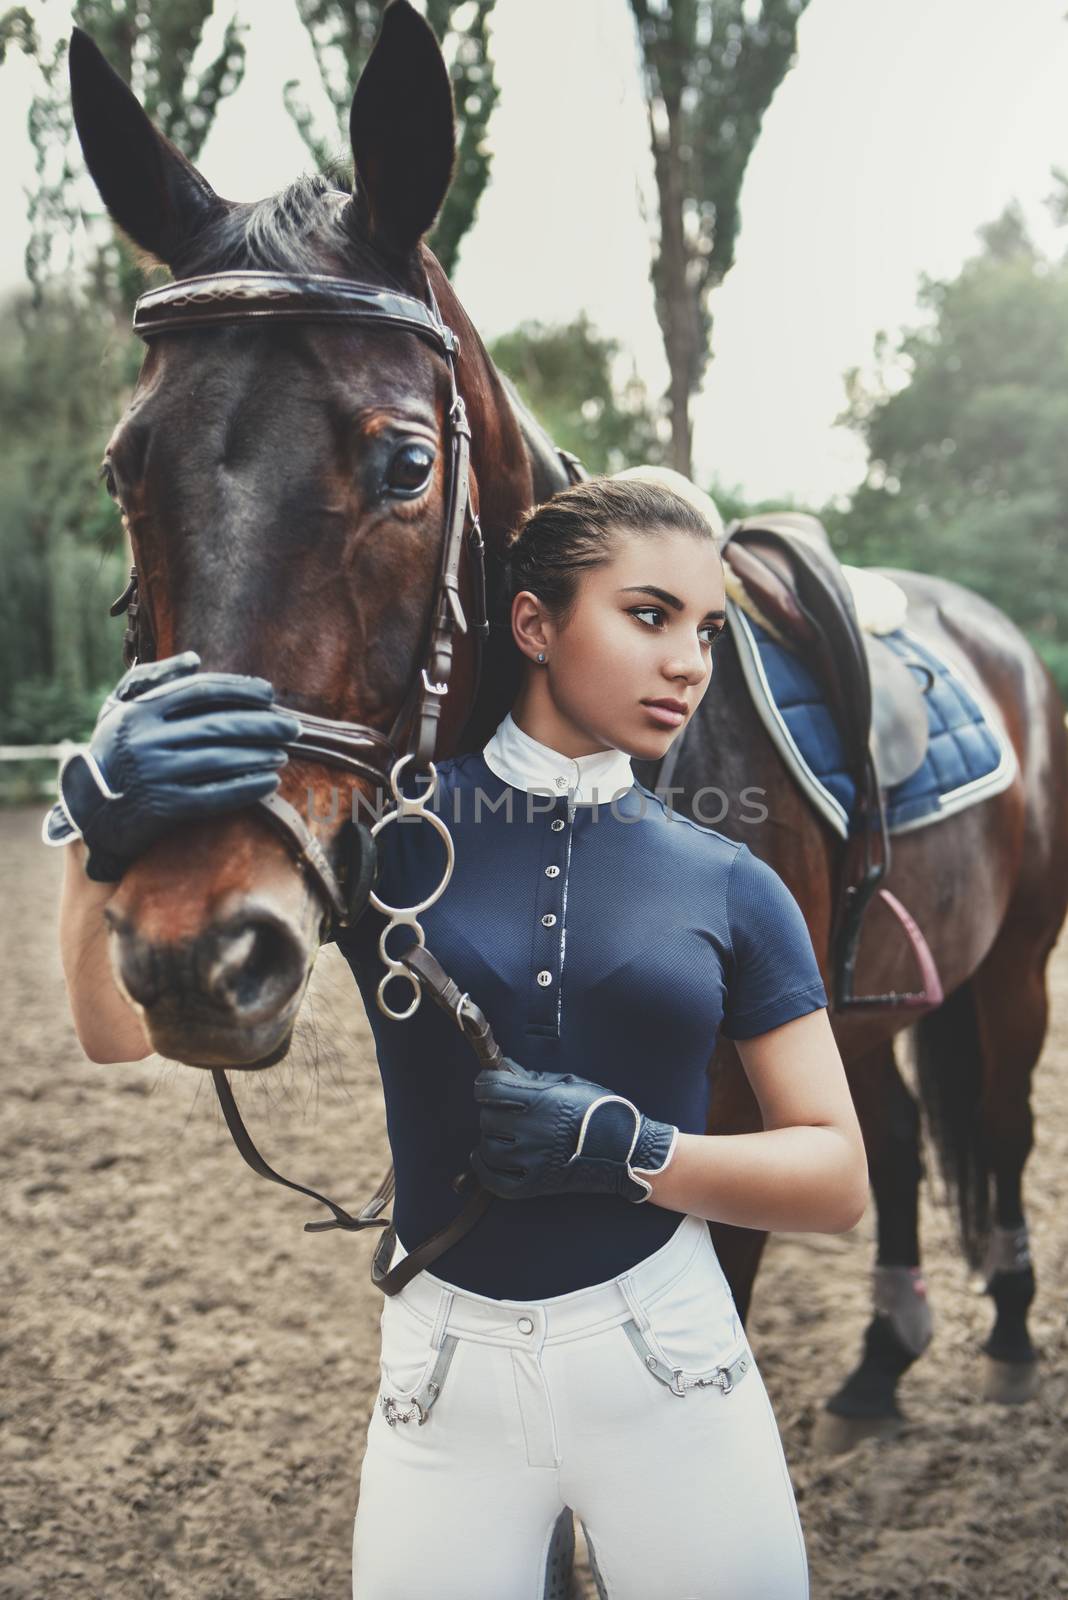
(408, 916)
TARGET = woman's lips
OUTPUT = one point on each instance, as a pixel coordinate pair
(664, 717)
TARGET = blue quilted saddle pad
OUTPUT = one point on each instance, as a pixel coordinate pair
(962, 751)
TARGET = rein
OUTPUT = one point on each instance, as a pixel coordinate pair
(245, 297)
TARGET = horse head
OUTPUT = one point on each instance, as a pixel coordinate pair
(284, 484)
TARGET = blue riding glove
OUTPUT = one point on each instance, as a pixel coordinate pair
(171, 744)
(555, 1133)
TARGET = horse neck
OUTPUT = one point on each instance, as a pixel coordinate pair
(513, 467)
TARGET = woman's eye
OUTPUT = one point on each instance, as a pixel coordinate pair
(709, 628)
(409, 471)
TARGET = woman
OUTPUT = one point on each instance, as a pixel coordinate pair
(580, 1346)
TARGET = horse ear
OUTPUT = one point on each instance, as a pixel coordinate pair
(403, 130)
(155, 195)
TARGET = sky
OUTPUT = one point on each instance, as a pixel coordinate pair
(903, 127)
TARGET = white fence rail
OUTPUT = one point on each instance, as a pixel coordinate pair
(40, 752)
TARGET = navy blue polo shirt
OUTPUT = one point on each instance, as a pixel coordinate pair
(615, 941)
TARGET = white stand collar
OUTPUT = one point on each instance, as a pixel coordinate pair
(527, 764)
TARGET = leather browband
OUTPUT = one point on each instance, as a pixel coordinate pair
(277, 297)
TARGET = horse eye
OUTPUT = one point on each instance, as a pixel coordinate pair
(107, 478)
(409, 471)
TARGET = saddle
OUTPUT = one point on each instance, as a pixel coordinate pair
(794, 583)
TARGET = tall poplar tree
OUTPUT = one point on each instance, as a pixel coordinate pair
(710, 69)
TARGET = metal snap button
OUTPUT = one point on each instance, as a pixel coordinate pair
(525, 1325)
(556, 824)
(549, 919)
(552, 872)
(545, 978)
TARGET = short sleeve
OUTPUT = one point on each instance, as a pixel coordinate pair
(774, 974)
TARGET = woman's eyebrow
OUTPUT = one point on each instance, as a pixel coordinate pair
(669, 599)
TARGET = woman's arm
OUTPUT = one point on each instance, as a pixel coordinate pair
(807, 1171)
(107, 1025)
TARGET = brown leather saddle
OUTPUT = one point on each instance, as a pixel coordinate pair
(787, 567)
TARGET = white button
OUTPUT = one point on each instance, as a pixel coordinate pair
(552, 872)
(549, 919)
(545, 978)
(556, 825)
(525, 1325)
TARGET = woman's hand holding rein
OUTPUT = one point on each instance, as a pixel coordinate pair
(555, 1133)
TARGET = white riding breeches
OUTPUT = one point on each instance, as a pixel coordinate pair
(635, 1403)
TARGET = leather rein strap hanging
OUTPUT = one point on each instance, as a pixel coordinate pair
(471, 1021)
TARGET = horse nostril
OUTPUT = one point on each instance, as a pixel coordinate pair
(140, 969)
(251, 967)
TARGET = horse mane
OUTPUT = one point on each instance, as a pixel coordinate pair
(544, 459)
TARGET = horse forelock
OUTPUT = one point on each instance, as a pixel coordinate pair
(309, 226)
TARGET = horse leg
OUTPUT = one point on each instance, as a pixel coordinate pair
(1011, 1040)
(901, 1325)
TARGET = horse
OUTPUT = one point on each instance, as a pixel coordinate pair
(284, 489)
(1003, 862)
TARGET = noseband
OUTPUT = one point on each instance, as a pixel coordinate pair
(247, 298)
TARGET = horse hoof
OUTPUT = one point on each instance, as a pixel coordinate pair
(834, 1435)
(1010, 1383)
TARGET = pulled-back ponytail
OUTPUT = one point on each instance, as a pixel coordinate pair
(577, 530)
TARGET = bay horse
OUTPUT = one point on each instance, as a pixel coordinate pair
(284, 490)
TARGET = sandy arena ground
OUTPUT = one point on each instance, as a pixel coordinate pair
(188, 1375)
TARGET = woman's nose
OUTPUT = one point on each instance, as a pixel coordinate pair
(691, 665)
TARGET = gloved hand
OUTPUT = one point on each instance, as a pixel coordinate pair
(554, 1133)
(171, 744)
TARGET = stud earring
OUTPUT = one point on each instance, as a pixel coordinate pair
(541, 655)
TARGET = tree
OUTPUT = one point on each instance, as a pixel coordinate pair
(710, 69)
(152, 44)
(568, 376)
(66, 359)
(342, 33)
(965, 422)
(60, 542)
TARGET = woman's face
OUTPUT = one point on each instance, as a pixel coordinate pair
(642, 630)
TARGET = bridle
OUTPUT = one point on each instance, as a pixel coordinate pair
(247, 297)
(238, 298)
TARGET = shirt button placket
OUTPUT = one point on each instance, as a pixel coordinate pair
(545, 976)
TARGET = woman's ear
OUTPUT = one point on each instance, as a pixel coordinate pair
(403, 131)
(156, 196)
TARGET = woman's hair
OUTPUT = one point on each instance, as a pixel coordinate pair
(576, 531)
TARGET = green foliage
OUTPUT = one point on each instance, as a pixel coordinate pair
(710, 70)
(342, 33)
(151, 43)
(965, 425)
(62, 366)
(67, 360)
(567, 375)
